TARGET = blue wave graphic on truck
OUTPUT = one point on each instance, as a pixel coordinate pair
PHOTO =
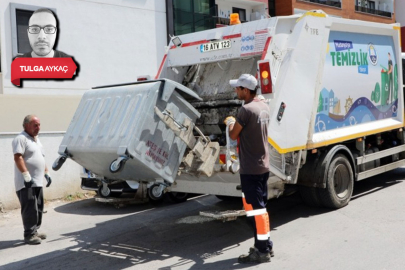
(360, 81)
(361, 111)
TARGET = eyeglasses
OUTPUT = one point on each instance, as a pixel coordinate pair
(47, 29)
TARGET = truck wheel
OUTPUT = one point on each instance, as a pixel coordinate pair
(58, 163)
(339, 183)
(310, 196)
(154, 193)
(177, 197)
(116, 194)
(117, 166)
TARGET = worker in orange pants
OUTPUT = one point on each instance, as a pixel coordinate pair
(250, 126)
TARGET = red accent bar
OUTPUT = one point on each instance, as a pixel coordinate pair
(261, 31)
(161, 66)
(194, 43)
(252, 53)
(232, 36)
(266, 47)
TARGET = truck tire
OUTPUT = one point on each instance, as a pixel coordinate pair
(310, 196)
(177, 197)
(225, 198)
(339, 183)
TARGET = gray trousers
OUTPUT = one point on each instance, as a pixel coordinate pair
(32, 206)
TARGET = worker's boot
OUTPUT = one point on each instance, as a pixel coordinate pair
(271, 251)
(32, 240)
(41, 235)
(255, 256)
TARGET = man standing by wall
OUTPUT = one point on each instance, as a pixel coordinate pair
(251, 126)
(29, 171)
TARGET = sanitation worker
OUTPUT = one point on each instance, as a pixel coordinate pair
(250, 126)
(29, 172)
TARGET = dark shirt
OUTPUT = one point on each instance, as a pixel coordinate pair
(254, 148)
(57, 54)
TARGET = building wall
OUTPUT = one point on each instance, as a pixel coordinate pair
(112, 41)
(225, 7)
(347, 11)
(400, 16)
(284, 8)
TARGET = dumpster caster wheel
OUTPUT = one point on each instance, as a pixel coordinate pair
(104, 191)
(155, 193)
(117, 165)
(58, 163)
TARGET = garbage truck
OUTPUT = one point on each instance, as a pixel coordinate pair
(333, 86)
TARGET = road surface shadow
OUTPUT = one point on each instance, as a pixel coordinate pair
(170, 236)
(377, 183)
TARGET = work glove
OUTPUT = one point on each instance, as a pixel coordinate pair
(230, 120)
(48, 180)
(27, 179)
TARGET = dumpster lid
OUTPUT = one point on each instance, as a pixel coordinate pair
(168, 87)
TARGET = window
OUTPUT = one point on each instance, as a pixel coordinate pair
(193, 15)
(272, 8)
(241, 12)
(371, 4)
(22, 19)
(20, 15)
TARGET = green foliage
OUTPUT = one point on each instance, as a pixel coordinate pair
(74, 197)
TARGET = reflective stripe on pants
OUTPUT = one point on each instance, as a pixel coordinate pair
(261, 217)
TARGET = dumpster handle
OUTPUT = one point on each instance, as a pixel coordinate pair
(202, 135)
(180, 126)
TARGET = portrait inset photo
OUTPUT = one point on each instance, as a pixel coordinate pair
(42, 32)
(43, 61)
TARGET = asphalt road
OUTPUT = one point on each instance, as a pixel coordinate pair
(367, 234)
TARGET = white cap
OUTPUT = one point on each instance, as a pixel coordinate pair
(245, 80)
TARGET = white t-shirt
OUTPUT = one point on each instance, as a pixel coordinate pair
(34, 158)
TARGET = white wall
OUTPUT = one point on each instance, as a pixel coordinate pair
(113, 42)
(225, 8)
(400, 12)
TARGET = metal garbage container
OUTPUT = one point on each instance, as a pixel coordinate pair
(116, 133)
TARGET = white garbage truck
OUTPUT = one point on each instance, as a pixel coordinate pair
(333, 86)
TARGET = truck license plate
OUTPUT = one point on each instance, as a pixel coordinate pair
(217, 45)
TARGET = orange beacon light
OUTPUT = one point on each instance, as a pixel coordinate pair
(234, 19)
